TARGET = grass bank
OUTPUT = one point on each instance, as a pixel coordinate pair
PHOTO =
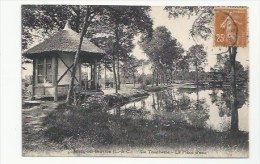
(124, 97)
(79, 128)
(150, 88)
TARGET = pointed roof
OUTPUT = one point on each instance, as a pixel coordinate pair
(65, 40)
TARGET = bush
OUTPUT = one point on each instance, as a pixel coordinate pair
(94, 103)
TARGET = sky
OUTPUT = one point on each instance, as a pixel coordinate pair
(179, 29)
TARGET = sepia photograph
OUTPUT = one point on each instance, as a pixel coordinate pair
(135, 81)
(129, 82)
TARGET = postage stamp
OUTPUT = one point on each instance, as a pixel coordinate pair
(230, 27)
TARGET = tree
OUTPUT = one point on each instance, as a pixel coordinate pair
(125, 22)
(223, 100)
(130, 66)
(163, 51)
(202, 27)
(125, 47)
(197, 57)
(76, 59)
(223, 65)
(127, 19)
(48, 19)
(91, 13)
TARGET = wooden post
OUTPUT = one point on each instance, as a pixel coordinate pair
(95, 74)
(91, 76)
(91, 71)
(55, 77)
(98, 76)
(36, 71)
(44, 70)
(34, 78)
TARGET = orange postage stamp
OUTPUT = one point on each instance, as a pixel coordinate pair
(230, 27)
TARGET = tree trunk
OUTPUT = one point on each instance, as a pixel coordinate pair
(114, 73)
(77, 22)
(234, 111)
(163, 78)
(33, 79)
(197, 83)
(118, 73)
(171, 76)
(197, 74)
(157, 78)
(134, 78)
(71, 85)
(105, 75)
(153, 102)
(98, 75)
(157, 101)
(115, 51)
(124, 78)
(153, 77)
(174, 76)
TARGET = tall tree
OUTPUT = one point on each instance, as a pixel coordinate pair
(125, 22)
(182, 66)
(163, 51)
(76, 59)
(130, 66)
(223, 65)
(197, 57)
(202, 27)
(132, 19)
(91, 12)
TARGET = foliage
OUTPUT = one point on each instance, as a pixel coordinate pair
(24, 62)
(125, 22)
(202, 26)
(197, 56)
(222, 99)
(223, 65)
(165, 53)
(129, 67)
(48, 19)
(35, 17)
(162, 49)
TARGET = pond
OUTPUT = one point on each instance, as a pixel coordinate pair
(207, 108)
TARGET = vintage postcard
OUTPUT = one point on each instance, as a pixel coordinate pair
(135, 81)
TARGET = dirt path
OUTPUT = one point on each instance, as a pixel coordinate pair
(32, 125)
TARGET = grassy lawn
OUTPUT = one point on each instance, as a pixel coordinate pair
(78, 129)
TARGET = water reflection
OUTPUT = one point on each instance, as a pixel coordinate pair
(221, 98)
(209, 108)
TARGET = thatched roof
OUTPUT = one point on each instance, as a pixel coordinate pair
(65, 40)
